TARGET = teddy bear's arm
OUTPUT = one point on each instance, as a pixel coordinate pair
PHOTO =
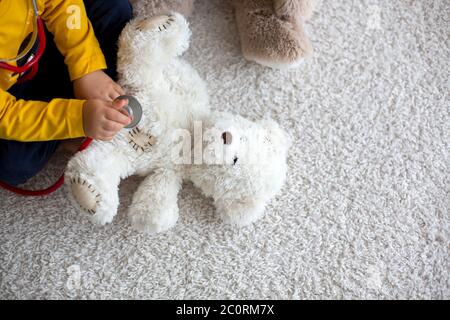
(154, 207)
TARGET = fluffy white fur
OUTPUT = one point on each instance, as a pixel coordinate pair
(175, 100)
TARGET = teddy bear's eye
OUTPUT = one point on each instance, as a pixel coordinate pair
(227, 138)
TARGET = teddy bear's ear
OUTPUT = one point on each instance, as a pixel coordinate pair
(275, 134)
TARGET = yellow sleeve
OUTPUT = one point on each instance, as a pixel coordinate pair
(27, 121)
(74, 36)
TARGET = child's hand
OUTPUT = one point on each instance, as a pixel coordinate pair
(102, 120)
(96, 85)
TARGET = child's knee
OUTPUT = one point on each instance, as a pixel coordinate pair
(15, 172)
(19, 162)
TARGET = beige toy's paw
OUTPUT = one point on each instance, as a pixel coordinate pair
(294, 8)
(141, 141)
(271, 40)
(85, 195)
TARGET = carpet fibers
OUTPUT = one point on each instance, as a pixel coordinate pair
(365, 210)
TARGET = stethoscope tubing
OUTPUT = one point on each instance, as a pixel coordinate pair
(38, 33)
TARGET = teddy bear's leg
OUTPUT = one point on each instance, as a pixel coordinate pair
(147, 46)
(154, 207)
(240, 212)
(271, 34)
(93, 177)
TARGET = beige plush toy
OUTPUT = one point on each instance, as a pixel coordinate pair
(271, 31)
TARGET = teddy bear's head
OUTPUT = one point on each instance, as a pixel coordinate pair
(146, 40)
(244, 165)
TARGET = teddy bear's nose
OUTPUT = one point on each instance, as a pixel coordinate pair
(235, 160)
(227, 138)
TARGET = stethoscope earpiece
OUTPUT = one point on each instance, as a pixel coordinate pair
(38, 36)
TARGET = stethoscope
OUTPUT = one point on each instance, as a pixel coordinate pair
(30, 68)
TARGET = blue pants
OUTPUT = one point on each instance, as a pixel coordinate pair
(20, 161)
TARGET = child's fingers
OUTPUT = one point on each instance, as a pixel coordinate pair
(116, 91)
(111, 127)
(119, 104)
(119, 89)
(117, 116)
(114, 94)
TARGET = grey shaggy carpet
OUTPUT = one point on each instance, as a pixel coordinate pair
(364, 213)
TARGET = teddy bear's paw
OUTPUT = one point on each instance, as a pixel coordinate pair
(240, 212)
(292, 9)
(158, 23)
(167, 36)
(285, 46)
(151, 222)
(141, 141)
(99, 207)
(85, 195)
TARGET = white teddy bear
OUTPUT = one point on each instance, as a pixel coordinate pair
(239, 163)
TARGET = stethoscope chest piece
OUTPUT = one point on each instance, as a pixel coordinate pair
(134, 109)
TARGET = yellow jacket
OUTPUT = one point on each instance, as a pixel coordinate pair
(60, 118)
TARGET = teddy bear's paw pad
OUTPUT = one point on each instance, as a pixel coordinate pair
(140, 141)
(85, 194)
(159, 23)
